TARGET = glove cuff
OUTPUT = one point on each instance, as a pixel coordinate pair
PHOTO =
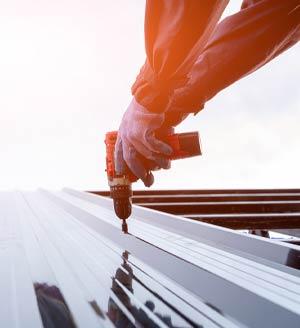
(154, 92)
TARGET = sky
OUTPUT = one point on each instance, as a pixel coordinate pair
(66, 68)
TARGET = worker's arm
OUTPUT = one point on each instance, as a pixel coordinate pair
(175, 33)
(240, 44)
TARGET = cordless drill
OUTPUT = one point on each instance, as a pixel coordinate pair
(183, 144)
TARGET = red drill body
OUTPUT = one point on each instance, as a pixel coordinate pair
(183, 144)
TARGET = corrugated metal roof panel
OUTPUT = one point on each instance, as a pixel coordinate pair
(66, 263)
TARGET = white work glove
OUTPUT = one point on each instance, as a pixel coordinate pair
(136, 142)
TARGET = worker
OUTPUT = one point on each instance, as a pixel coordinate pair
(190, 58)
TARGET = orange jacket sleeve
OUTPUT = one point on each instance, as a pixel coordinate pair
(175, 33)
(239, 45)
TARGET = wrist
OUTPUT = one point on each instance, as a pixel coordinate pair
(144, 111)
(154, 101)
(155, 92)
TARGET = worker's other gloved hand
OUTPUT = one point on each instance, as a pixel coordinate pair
(136, 142)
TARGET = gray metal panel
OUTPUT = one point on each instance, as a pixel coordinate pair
(66, 263)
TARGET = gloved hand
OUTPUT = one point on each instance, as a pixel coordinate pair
(136, 142)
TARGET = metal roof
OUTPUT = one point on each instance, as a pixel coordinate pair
(268, 209)
(66, 263)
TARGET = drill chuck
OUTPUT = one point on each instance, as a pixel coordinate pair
(121, 195)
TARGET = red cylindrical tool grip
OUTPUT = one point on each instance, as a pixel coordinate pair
(110, 141)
